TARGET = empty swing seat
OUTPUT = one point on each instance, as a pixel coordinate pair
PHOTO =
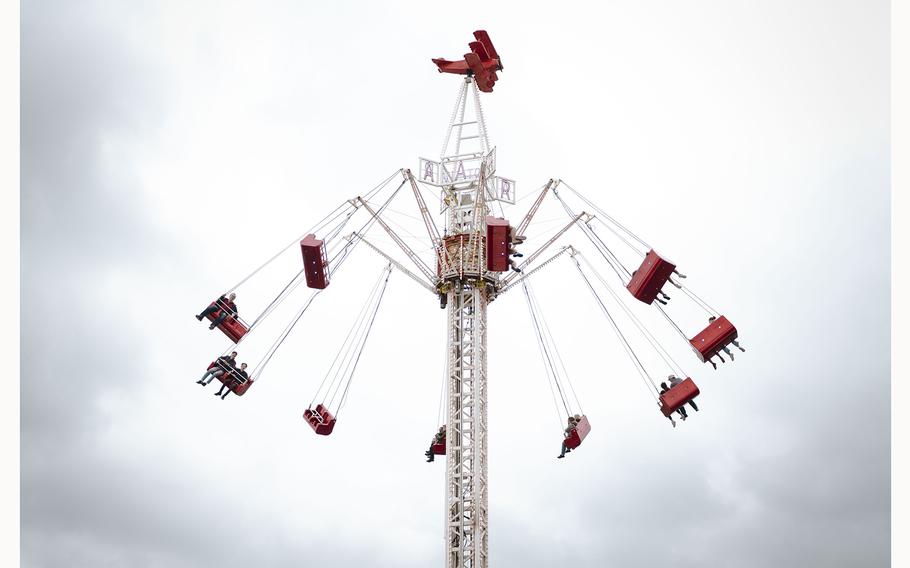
(231, 326)
(579, 433)
(650, 277)
(315, 262)
(714, 338)
(676, 397)
(320, 420)
(497, 244)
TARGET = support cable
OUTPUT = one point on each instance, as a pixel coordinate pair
(289, 287)
(334, 214)
(363, 342)
(601, 212)
(442, 389)
(545, 357)
(599, 245)
(284, 335)
(625, 342)
(527, 274)
(558, 358)
(341, 351)
(673, 323)
(701, 303)
(664, 354)
(339, 258)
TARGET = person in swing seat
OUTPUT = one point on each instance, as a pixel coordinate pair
(224, 304)
(228, 362)
(438, 438)
(237, 376)
(573, 423)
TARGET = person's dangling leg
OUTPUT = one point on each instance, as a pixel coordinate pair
(218, 320)
(205, 376)
(211, 309)
(217, 373)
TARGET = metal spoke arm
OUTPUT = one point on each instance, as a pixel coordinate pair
(432, 231)
(510, 278)
(392, 261)
(421, 265)
(480, 201)
(533, 210)
(442, 255)
(621, 271)
(527, 274)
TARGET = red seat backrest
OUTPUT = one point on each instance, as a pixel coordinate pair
(315, 263)
(497, 244)
(677, 396)
(650, 277)
(579, 433)
(320, 420)
(231, 327)
(233, 382)
(713, 338)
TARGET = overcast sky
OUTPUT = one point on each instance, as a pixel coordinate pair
(170, 147)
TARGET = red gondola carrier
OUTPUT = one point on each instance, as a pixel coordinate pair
(230, 379)
(231, 326)
(440, 448)
(315, 262)
(673, 399)
(650, 277)
(497, 244)
(579, 433)
(713, 338)
(320, 420)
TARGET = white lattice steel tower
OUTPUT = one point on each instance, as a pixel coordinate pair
(465, 175)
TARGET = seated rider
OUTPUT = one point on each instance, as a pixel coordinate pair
(573, 423)
(237, 376)
(218, 369)
(674, 380)
(225, 304)
(724, 348)
(438, 438)
(664, 388)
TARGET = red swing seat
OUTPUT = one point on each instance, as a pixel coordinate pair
(677, 396)
(315, 262)
(650, 277)
(440, 448)
(714, 338)
(228, 378)
(497, 244)
(237, 385)
(231, 326)
(320, 420)
(579, 433)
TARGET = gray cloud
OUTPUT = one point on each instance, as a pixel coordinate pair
(124, 464)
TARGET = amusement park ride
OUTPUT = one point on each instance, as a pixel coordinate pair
(476, 260)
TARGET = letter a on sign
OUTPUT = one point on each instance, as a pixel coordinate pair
(428, 172)
(459, 173)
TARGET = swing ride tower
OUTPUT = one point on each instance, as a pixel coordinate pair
(473, 258)
(465, 173)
